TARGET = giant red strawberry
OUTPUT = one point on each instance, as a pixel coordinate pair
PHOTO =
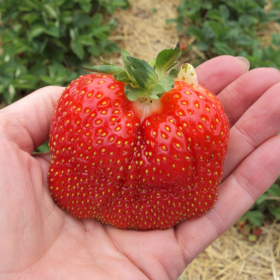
(136, 148)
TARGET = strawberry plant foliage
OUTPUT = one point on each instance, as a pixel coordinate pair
(136, 148)
(267, 206)
(231, 27)
(46, 42)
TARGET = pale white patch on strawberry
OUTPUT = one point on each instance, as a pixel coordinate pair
(145, 107)
(187, 74)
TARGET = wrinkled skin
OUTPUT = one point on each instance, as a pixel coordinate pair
(40, 241)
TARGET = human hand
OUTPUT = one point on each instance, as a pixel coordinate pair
(41, 241)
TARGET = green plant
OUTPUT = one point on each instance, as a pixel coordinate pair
(231, 27)
(46, 42)
(266, 205)
(264, 210)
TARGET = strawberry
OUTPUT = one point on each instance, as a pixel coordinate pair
(136, 148)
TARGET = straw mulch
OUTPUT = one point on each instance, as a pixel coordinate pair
(143, 33)
(230, 257)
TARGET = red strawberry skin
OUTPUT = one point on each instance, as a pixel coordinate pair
(109, 164)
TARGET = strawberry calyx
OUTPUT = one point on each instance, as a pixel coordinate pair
(144, 80)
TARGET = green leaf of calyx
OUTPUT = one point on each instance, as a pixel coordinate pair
(157, 91)
(107, 69)
(106, 62)
(133, 93)
(127, 65)
(173, 73)
(163, 85)
(143, 72)
(123, 77)
(167, 83)
(152, 62)
(174, 64)
(165, 59)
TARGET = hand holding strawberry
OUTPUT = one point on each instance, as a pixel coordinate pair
(41, 241)
(138, 149)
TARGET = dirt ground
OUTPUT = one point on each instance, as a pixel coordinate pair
(143, 32)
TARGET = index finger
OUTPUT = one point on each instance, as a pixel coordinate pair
(217, 73)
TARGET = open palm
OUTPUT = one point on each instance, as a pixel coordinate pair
(38, 240)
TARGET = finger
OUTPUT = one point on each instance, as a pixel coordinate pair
(259, 123)
(45, 161)
(243, 92)
(217, 73)
(27, 121)
(239, 191)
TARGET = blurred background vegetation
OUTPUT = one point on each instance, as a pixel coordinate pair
(45, 42)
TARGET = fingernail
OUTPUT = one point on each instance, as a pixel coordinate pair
(245, 61)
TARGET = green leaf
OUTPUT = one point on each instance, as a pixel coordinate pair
(202, 46)
(11, 95)
(216, 28)
(276, 40)
(105, 62)
(43, 148)
(165, 59)
(243, 40)
(257, 54)
(95, 50)
(167, 83)
(133, 93)
(143, 73)
(35, 31)
(31, 5)
(261, 199)
(255, 217)
(108, 69)
(66, 17)
(52, 30)
(172, 65)
(223, 48)
(123, 77)
(97, 19)
(274, 190)
(197, 32)
(275, 212)
(247, 20)
(78, 49)
(46, 79)
(124, 56)
(86, 40)
(141, 78)
(213, 14)
(31, 17)
(101, 31)
(156, 91)
(174, 73)
(224, 11)
(86, 6)
(152, 62)
(119, 3)
(81, 19)
(51, 11)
